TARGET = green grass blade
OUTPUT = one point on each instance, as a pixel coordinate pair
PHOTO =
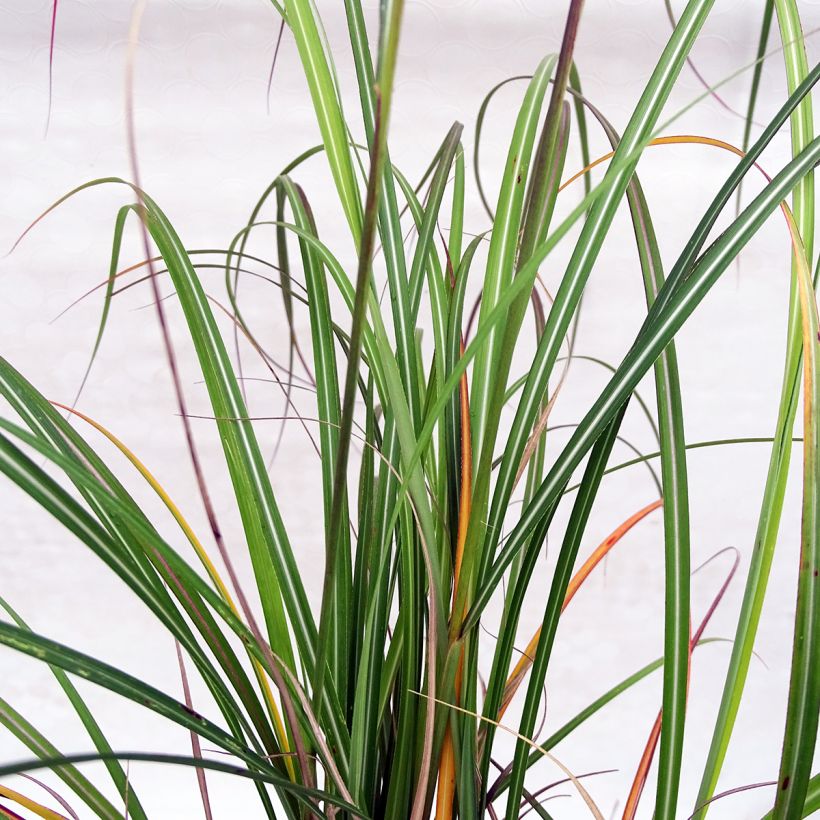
(49, 756)
(304, 22)
(98, 738)
(757, 73)
(389, 224)
(22, 471)
(409, 717)
(586, 250)
(803, 708)
(119, 227)
(676, 513)
(128, 687)
(178, 573)
(676, 524)
(656, 334)
(800, 81)
(543, 184)
(479, 125)
(329, 409)
(424, 258)
(128, 532)
(456, 234)
(693, 445)
(812, 804)
(539, 206)
(307, 796)
(502, 253)
(563, 571)
(388, 53)
(277, 576)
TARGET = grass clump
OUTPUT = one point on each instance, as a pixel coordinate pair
(376, 705)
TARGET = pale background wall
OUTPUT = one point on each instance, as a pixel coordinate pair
(207, 148)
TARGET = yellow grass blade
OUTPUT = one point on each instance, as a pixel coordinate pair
(202, 554)
(31, 805)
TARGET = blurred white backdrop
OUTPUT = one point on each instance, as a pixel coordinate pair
(207, 148)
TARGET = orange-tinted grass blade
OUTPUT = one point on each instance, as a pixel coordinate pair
(645, 763)
(682, 139)
(604, 547)
(643, 769)
(466, 475)
(32, 805)
(447, 767)
(207, 563)
(524, 663)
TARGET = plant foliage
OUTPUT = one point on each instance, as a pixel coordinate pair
(375, 705)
